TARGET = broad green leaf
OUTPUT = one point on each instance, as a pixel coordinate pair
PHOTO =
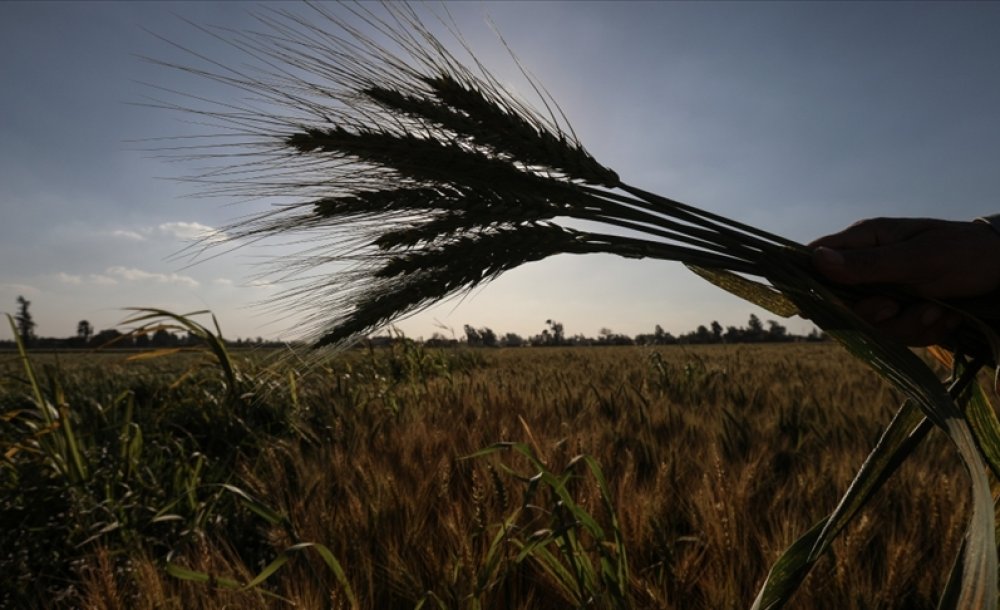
(186, 574)
(196, 576)
(268, 570)
(787, 573)
(907, 428)
(911, 376)
(493, 556)
(994, 343)
(953, 588)
(749, 290)
(555, 569)
(29, 370)
(213, 340)
(268, 514)
(619, 571)
(335, 567)
(897, 441)
(985, 427)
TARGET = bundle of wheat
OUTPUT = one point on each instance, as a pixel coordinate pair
(429, 178)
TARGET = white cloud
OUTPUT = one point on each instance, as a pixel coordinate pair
(79, 280)
(129, 235)
(223, 282)
(67, 278)
(131, 274)
(101, 280)
(191, 231)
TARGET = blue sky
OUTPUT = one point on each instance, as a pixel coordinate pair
(797, 117)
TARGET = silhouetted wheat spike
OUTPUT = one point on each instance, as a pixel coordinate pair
(434, 178)
(422, 178)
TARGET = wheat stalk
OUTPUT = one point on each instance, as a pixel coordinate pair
(424, 178)
(428, 177)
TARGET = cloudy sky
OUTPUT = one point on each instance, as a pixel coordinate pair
(796, 117)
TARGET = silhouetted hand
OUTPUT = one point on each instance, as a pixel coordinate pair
(922, 257)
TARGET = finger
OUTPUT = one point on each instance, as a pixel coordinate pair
(921, 325)
(876, 309)
(874, 232)
(907, 262)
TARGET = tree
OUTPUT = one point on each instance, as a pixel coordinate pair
(25, 325)
(512, 340)
(776, 332)
(84, 331)
(439, 340)
(716, 332)
(111, 337)
(163, 338)
(556, 329)
(480, 336)
(472, 336)
(755, 329)
(488, 337)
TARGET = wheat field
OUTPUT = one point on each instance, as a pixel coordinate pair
(404, 477)
(410, 174)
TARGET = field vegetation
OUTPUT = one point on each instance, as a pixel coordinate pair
(402, 477)
(407, 477)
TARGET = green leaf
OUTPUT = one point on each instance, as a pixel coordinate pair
(268, 570)
(985, 427)
(953, 587)
(335, 567)
(268, 514)
(897, 441)
(555, 569)
(145, 315)
(787, 573)
(910, 375)
(749, 290)
(196, 576)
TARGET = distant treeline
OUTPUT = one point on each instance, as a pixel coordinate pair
(114, 339)
(553, 335)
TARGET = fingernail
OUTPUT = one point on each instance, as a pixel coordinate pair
(829, 256)
(932, 315)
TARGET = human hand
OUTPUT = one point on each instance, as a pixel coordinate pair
(926, 258)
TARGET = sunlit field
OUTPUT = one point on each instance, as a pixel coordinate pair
(405, 477)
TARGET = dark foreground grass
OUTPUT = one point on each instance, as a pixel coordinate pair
(619, 478)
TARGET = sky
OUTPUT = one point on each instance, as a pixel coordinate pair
(797, 117)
